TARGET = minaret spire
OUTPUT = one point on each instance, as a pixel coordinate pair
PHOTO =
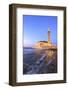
(49, 35)
(48, 28)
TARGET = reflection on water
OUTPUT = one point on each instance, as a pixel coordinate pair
(50, 54)
(39, 61)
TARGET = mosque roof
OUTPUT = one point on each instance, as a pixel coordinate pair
(44, 41)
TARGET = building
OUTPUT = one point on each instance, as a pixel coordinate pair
(45, 44)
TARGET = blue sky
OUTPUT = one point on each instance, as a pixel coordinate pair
(36, 29)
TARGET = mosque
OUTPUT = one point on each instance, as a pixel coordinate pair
(46, 44)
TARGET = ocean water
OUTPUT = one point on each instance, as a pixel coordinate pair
(34, 62)
(28, 50)
(29, 56)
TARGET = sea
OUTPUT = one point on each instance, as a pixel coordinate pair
(35, 62)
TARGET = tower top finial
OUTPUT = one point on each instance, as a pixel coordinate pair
(48, 28)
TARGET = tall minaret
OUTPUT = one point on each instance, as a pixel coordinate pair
(49, 35)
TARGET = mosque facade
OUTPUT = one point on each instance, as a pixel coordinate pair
(45, 44)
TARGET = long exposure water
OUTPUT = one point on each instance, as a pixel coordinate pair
(36, 61)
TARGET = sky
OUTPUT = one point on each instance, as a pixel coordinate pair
(35, 28)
